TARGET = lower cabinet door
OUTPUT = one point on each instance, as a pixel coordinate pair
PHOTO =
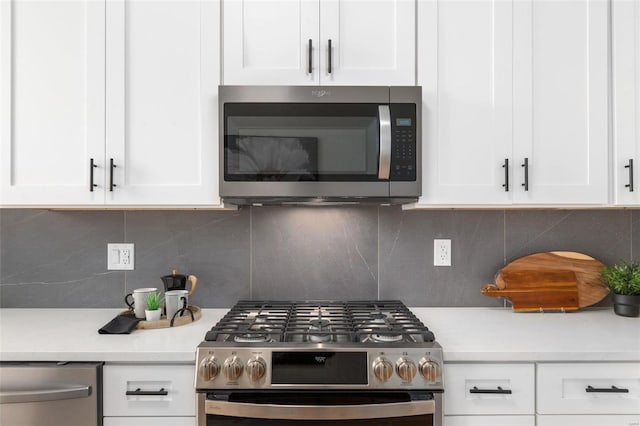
(489, 421)
(149, 421)
(589, 420)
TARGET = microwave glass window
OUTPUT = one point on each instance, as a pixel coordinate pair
(303, 142)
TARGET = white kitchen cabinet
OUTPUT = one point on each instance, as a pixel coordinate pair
(162, 119)
(52, 101)
(590, 420)
(288, 42)
(560, 114)
(489, 421)
(626, 100)
(519, 81)
(174, 380)
(465, 70)
(133, 82)
(588, 388)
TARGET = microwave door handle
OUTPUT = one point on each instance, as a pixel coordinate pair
(384, 166)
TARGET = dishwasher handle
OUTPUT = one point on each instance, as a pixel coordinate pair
(43, 394)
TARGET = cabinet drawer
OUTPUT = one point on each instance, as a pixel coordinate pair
(489, 421)
(474, 389)
(582, 388)
(175, 379)
(589, 420)
(149, 421)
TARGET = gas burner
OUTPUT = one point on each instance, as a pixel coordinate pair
(386, 338)
(319, 331)
(251, 338)
(378, 318)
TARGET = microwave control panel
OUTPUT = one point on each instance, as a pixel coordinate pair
(403, 142)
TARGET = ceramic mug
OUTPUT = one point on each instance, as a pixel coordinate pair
(174, 300)
(138, 301)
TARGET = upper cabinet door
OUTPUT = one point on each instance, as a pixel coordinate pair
(162, 83)
(465, 70)
(367, 42)
(271, 42)
(51, 102)
(626, 100)
(560, 101)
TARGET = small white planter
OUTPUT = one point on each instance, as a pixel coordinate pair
(153, 315)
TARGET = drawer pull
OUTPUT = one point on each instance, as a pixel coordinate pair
(612, 389)
(139, 391)
(499, 390)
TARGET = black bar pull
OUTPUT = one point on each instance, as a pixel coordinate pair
(630, 167)
(505, 166)
(139, 392)
(612, 389)
(310, 56)
(499, 390)
(91, 167)
(329, 67)
(111, 167)
(526, 174)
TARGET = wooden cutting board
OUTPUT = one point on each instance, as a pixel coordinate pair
(545, 279)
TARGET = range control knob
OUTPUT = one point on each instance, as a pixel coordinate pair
(256, 368)
(209, 368)
(382, 369)
(232, 368)
(406, 369)
(429, 369)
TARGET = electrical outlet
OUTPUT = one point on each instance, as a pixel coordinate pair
(442, 252)
(120, 257)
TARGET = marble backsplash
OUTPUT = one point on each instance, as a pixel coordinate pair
(57, 259)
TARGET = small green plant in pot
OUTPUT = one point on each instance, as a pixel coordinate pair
(154, 305)
(623, 279)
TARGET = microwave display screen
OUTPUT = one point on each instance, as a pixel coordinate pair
(403, 122)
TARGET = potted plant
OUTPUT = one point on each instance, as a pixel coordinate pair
(153, 311)
(623, 279)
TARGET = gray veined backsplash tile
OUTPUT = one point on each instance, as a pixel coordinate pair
(58, 258)
(635, 235)
(406, 256)
(602, 234)
(314, 253)
(212, 245)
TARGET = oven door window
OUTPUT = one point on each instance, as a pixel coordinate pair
(319, 408)
(301, 142)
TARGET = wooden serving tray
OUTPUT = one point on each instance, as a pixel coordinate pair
(165, 322)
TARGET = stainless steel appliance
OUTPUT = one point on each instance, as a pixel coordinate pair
(292, 144)
(319, 362)
(50, 393)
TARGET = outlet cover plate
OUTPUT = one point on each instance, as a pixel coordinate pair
(442, 252)
(120, 257)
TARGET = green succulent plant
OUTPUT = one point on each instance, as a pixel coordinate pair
(154, 302)
(622, 278)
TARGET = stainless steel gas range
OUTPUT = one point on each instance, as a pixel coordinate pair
(319, 363)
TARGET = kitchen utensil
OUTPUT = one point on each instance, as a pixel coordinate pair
(546, 290)
(177, 281)
(138, 302)
(586, 270)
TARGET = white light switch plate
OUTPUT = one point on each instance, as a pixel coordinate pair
(120, 257)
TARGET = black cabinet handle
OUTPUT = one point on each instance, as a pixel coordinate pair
(111, 167)
(505, 166)
(329, 67)
(499, 390)
(139, 391)
(526, 174)
(91, 167)
(612, 389)
(310, 56)
(630, 167)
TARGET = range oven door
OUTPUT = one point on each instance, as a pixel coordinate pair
(319, 408)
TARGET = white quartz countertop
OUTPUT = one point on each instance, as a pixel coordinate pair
(466, 334)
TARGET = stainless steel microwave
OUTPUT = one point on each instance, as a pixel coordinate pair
(310, 144)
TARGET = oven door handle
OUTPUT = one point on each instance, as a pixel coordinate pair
(384, 164)
(319, 412)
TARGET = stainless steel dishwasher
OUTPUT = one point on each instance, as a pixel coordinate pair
(50, 393)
